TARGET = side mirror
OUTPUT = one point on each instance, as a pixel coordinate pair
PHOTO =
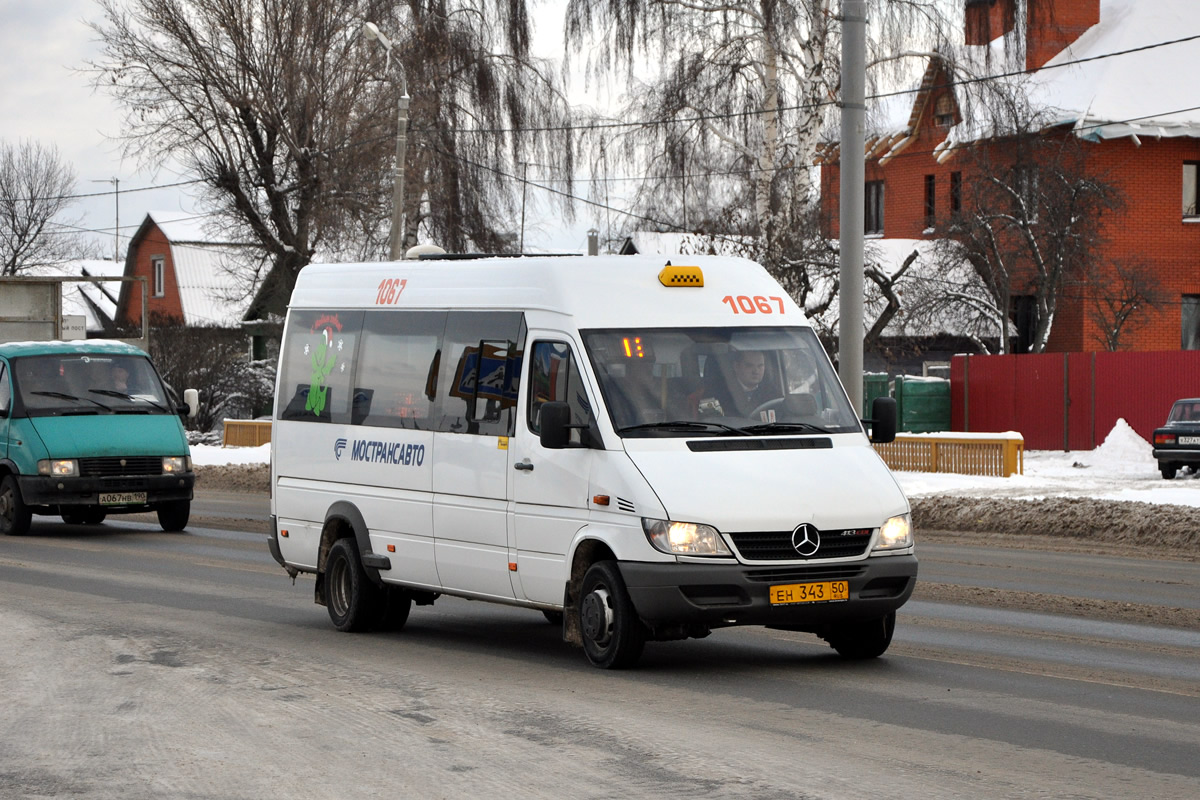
(555, 418)
(191, 401)
(883, 420)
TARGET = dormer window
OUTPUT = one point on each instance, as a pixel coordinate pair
(943, 112)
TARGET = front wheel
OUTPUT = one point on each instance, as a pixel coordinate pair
(352, 600)
(15, 516)
(613, 636)
(861, 640)
(173, 516)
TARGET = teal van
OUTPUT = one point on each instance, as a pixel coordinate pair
(88, 429)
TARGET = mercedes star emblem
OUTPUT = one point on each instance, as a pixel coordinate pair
(806, 539)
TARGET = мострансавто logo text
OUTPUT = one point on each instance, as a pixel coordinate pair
(378, 452)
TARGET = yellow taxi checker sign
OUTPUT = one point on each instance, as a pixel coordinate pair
(681, 276)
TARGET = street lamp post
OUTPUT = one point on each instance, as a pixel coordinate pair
(396, 236)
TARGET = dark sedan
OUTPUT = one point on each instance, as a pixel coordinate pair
(1177, 444)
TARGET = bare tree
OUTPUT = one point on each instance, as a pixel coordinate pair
(289, 118)
(35, 188)
(1119, 299)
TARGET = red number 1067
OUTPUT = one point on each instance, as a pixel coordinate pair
(389, 291)
(753, 305)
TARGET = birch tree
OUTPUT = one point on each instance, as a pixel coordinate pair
(35, 188)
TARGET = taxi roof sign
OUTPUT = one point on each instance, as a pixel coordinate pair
(681, 276)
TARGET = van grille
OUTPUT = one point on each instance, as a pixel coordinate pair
(120, 465)
(777, 545)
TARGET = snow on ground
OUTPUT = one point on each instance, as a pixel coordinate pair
(1121, 468)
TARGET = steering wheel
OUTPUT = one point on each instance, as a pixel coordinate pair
(778, 401)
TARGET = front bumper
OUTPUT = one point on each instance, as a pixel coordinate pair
(46, 490)
(719, 595)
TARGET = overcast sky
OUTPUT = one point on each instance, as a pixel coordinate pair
(44, 97)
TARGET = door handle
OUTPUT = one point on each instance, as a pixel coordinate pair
(524, 466)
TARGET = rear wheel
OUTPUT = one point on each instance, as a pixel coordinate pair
(14, 514)
(862, 640)
(1168, 470)
(352, 600)
(613, 636)
(173, 516)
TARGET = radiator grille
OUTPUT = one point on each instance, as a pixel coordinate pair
(120, 465)
(777, 545)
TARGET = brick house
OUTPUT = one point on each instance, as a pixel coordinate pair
(190, 274)
(1132, 113)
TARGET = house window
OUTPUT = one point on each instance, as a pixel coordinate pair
(1191, 322)
(157, 263)
(873, 218)
(955, 193)
(1190, 207)
(943, 112)
(930, 201)
(1025, 320)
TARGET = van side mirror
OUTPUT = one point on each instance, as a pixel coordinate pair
(191, 402)
(883, 420)
(554, 418)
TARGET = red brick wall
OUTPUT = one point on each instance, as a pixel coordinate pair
(1149, 229)
(153, 244)
(989, 20)
(1054, 24)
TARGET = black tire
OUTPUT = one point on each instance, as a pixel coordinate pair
(553, 617)
(353, 601)
(862, 640)
(173, 516)
(14, 514)
(613, 636)
(397, 603)
(85, 515)
(1168, 470)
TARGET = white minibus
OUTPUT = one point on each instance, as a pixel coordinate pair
(641, 449)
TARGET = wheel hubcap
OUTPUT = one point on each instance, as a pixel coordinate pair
(597, 616)
(338, 590)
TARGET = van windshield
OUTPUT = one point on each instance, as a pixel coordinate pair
(718, 381)
(101, 383)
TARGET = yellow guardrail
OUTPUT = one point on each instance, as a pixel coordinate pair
(998, 454)
(246, 433)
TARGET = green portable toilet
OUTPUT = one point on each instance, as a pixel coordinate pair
(875, 384)
(922, 404)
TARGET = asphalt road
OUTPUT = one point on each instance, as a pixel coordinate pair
(139, 664)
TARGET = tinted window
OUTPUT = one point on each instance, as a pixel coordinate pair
(480, 364)
(317, 365)
(5, 392)
(554, 376)
(397, 369)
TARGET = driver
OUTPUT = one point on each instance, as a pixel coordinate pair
(746, 391)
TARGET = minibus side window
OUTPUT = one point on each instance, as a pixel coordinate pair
(480, 363)
(317, 365)
(554, 376)
(397, 358)
(5, 391)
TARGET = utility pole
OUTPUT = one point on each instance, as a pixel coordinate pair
(116, 182)
(396, 236)
(851, 210)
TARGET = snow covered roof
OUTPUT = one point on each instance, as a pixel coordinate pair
(97, 302)
(207, 274)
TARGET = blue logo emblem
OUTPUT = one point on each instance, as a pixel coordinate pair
(338, 447)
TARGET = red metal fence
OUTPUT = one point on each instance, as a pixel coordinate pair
(1069, 401)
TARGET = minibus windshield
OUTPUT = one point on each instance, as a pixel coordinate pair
(60, 385)
(718, 382)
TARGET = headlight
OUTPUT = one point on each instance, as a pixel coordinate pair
(895, 534)
(174, 464)
(58, 467)
(684, 538)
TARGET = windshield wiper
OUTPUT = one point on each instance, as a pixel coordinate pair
(785, 427)
(65, 396)
(684, 425)
(129, 397)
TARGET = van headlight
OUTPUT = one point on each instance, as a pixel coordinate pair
(175, 464)
(58, 467)
(684, 538)
(895, 534)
